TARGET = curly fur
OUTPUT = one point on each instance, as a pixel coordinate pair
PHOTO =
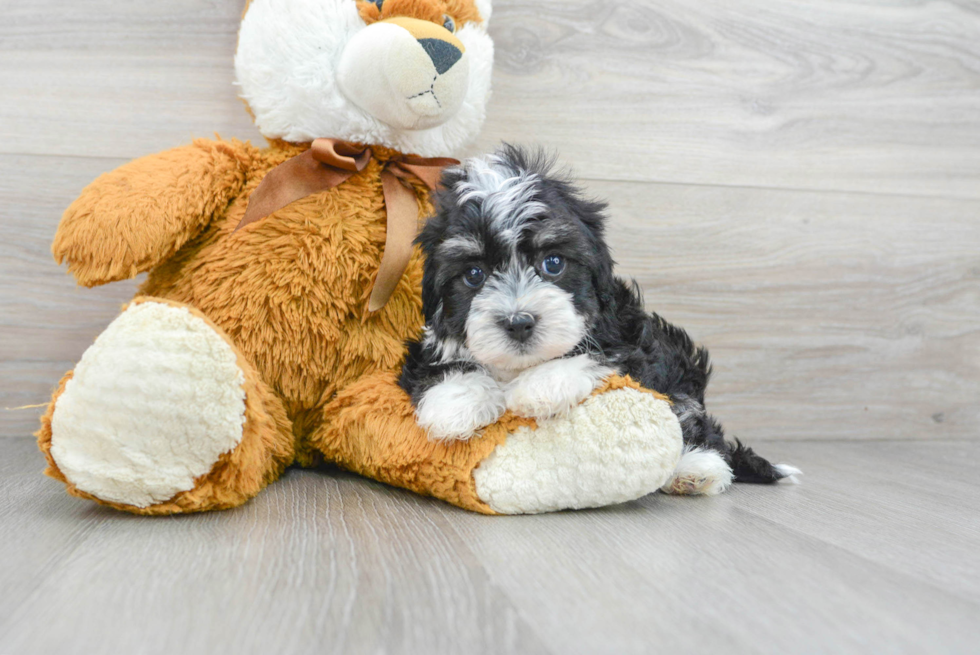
(505, 215)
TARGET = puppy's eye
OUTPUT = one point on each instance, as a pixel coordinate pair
(553, 265)
(378, 3)
(447, 21)
(474, 277)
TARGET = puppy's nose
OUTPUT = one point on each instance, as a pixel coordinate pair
(519, 326)
(442, 53)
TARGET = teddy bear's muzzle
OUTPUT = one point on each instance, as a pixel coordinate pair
(408, 73)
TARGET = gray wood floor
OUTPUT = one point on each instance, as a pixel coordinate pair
(796, 183)
(877, 552)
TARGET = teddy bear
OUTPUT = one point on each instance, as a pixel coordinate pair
(283, 284)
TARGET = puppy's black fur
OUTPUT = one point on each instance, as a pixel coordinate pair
(619, 333)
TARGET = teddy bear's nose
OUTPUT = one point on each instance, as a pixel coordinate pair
(442, 46)
(442, 53)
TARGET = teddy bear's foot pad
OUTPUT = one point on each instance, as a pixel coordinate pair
(153, 404)
(600, 453)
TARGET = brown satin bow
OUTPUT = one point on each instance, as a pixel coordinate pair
(328, 163)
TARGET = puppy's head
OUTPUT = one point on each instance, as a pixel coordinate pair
(516, 269)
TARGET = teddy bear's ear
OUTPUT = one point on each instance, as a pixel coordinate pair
(485, 7)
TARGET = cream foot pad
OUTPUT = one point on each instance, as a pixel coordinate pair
(612, 448)
(153, 404)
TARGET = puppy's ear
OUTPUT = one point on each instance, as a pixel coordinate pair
(451, 177)
(592, 213)
(432, 234)
(430, 295)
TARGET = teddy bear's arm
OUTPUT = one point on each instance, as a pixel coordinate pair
(129, 220)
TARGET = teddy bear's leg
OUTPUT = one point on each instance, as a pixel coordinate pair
(618, 445)
(163, 415)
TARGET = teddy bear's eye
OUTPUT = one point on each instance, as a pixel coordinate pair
(447, 20)
(378, 3)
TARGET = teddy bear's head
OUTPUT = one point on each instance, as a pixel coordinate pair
(413, 75)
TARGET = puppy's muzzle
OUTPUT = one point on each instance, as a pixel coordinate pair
(519, 327)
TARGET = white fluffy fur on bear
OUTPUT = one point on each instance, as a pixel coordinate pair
(287, 64)
(612, 448)
(153, 404)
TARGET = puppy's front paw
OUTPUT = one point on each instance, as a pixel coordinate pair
(460, 405)
(554, 387)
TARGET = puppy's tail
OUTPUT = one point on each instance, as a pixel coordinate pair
(749, 467)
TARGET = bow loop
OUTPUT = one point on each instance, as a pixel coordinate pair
(340, 154)
(330, 162)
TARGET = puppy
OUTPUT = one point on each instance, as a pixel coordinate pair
(523, 312)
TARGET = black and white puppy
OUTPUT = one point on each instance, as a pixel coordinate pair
(523, 312)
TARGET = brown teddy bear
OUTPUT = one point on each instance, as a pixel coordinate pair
(283, 285)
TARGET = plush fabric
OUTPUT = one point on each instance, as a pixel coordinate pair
(599, 453)
(177, 402)
(248, 351)
(154, 205)
(265, 449)
(290, 84)
(370, 429)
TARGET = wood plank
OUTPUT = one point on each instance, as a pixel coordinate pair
(881, 502)
(705, 575)
(38, 527)
(828, 315)
(787, 566)
(837, 94)
(46, 320)
(877, 96)
(324, 560)
(117, 79)
(309, 566)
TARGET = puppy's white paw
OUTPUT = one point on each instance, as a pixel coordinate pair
(460, 405)
(700, 472)
(554, 387)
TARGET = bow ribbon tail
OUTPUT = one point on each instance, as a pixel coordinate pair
(402, 208)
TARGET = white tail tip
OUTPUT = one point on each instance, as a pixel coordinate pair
(789, 473)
